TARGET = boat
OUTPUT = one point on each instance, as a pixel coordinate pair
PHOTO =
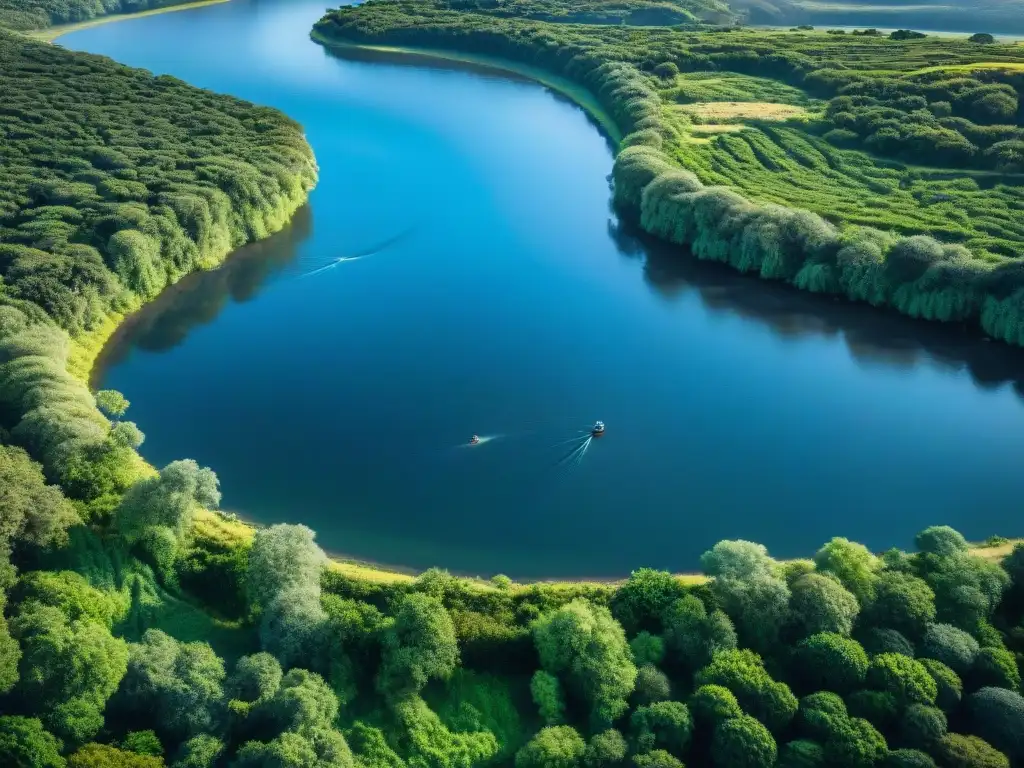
(474, 440)
(598, 429)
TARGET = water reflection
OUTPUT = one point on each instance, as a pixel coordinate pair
(873, 336)
(199, 298)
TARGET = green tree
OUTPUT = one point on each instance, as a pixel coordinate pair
(282, 556)
(743, 673)
(710, 704)
(651, 685)
(112, 402)
(857, 744)
(303, 702)
(25, 744)
(659, 758)
(143, 743)
(694, 636)
(200, 751)
(995, 667)
(547, 695)
(105, 756)
(640, 603)
(557, 746)
(664, 724)
(906, 679)
(319, 749)
(35, 514)
(801, 753)
(168, 500)
(902, 602)
(742, 742)
(821, 604)
(255, 679)
(947, 683)
(418, 646)
(953, 647)
(880, 640)
(941, 541)
(997, 715)
(879, 708)
(647, 649)
(605, 749)
(180, 684)
(830, 661)
(851, 563)
(907, 758)
(588, 648)
(821, 715)
(69, 668)
(958, 751)
(922, 727)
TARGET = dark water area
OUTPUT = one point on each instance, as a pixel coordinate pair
(508, 302)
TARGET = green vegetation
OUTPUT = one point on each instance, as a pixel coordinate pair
(26, 15)
(884, 169)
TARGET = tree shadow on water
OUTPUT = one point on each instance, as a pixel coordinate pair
(872, 335)
(199, 298)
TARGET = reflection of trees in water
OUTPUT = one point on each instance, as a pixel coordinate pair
(200, 297)
(872, 335)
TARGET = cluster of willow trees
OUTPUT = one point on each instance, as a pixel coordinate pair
(883, 95)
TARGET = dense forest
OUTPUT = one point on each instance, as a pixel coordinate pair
(881, 168)
(39, 14)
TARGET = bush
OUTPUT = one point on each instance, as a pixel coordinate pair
(948, 686)
(941, 541)
(821, 715)
(906, 679)
(855, 745)
(642, 601)
(957, 751)
(742, 742)
(922, 727)
(880, 640)
(997, 715)
(831, 662)
(801, 754)
(995, 667)
(953, 647)
(659, 758)
(743, 673)
(557, 746)
(547, 695)
(877, 707)
(907, 758)
(902, 602)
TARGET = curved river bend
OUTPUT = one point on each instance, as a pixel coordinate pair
(511, 304)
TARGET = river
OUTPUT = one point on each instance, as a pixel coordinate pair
(506, 301)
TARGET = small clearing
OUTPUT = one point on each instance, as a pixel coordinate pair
(722, 113)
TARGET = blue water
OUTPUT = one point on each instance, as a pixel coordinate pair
(516, 307)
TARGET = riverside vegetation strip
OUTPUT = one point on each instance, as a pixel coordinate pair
(139, 630)
(894, 176)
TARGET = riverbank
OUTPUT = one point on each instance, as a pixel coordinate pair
(561, 85)
(49, 34)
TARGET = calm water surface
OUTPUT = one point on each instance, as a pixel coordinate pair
(516, 307)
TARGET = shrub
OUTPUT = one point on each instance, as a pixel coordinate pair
(948, 686)
(821, 715)
(801, 754)
(743, 673)
(907, 758)
(830, 661)
(906, 679)
(953, 647)
(997, 715)
(995, 667)
(642, 601)
(547, 695)
(941, 541)
(557, 746)
(742, 742)
(957, 751)
(922, 726)
(854, 745)
(877, 707)
(881, 640)
(902, 602)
